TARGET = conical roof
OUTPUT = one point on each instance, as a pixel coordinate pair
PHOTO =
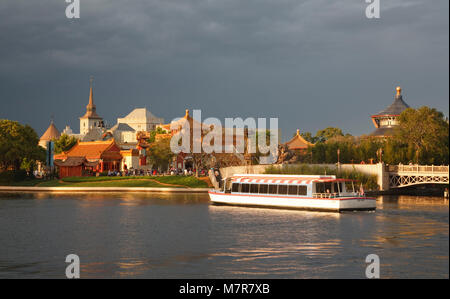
(51, 133)
(397, 107)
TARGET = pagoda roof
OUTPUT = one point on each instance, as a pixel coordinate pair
(75, 161)
(298, 142)
(178, 124)
(51, 133)
(396, 108)
(382, 132)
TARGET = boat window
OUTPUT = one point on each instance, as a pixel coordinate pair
(263, 189)
(327, 187)
(282, 189)
(273, 189)
(254, 188)
(320, 188)
(302, 190)
(235, 187)
(245, 188)
(292, 190)
(323, 187)
(336, 188)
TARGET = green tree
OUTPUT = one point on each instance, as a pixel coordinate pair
(18, 143)
(328, 133)
(309, 137)
(64, 143)
(153, 133)
(160, 154)
(427, 130)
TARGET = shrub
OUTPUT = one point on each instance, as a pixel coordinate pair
(14, 175)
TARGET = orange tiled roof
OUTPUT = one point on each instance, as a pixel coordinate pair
(92, 150)
(298, 142)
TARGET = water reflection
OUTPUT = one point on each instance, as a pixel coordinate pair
(412, 202)
(152, 235)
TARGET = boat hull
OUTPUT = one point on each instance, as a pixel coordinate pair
(299, 203)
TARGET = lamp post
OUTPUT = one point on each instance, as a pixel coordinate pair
(380, 155)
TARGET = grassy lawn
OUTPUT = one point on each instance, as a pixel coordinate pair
(188, 181)
(141, 181)
(104, 181)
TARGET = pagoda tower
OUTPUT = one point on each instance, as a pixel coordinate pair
(90, 119)
(386, 120)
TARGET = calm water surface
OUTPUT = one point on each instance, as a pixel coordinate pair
(182, 236)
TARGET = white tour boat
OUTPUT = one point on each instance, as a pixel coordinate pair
(310, 192)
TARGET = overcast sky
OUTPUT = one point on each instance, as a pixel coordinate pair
(311, 63)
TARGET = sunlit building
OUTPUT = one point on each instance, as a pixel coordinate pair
(140, 119)
(386, 120)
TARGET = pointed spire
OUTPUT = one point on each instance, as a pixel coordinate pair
(399, 93)
(91, 93)
(90, 108)
(298, 132)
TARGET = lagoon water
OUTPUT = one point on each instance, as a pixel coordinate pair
(183, 236)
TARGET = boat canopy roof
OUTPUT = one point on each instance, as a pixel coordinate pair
(286, 179)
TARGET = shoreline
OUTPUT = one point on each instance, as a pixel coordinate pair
(102, 189)
(431, 193)
(28, 189)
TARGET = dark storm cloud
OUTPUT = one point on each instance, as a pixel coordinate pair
(312, 63)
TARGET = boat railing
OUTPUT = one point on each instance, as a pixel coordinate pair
(325, 195)
(335, 194)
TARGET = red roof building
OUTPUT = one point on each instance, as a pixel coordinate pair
(105, 153)
(75, 166)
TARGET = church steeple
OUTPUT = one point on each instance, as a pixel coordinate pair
(90, 119)
(91, 109)
(91, 95)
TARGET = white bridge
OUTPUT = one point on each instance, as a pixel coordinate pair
(410, 175)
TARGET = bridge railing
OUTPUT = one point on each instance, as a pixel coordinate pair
(418, 168)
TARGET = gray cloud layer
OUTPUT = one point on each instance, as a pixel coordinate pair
(312, 63)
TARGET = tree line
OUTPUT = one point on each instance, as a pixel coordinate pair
(19, 146)
(421, 137)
